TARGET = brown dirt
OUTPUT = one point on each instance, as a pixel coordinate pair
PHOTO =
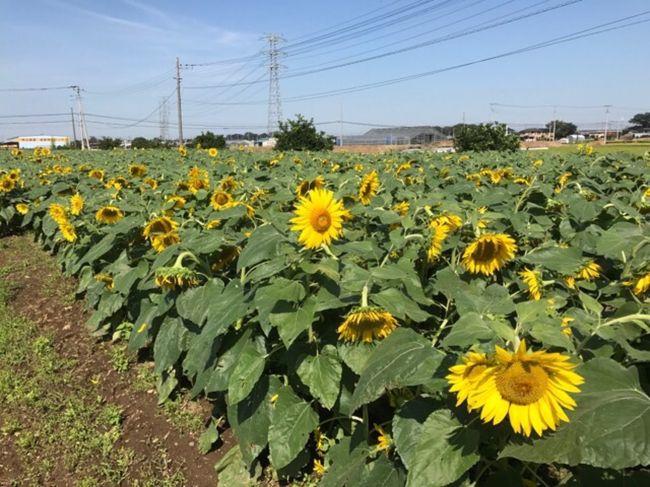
(145, 429)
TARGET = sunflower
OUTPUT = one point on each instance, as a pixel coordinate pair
(22, 208)
(533, 281)
(220, 200)
(366, 324)
(171, 278)
(109, 214)
(159, 226)
(14, 174)
(562, 180)
(213, 152)
(57, 212)
(441, 231)
(318, 468)
(137, 170)
(642, 285)
(464, 377)
(7, 184)
(182, 150)
(179, 201)
(529, 387)
(591, 270)
(227, 257)
(368, 187)
(384, 441)
(106, 279)
(566, 325)
(76, 204)
(212, 224)
(489, 253)
(319, 218)
(151, 182)
(306, 186)
(163, 240)
(450, 220)
(97, 174)
(68, 231)
(228, 184)
(401, 208)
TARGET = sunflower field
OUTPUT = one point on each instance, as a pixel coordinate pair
(399, 319)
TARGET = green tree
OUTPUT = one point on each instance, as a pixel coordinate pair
(562, 128)
(301, 134)
(107, 143)
(641, 120)
(209, 140)
(485, 137)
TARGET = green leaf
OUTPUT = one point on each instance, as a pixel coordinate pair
(292, 420)
(405, 358)
(232, 470)
(468, 330)
(348, 463)
(609, 428)
(322, 374)
(446, 449)
(166, 348)
(381, 473)
(407, 427)
(399, 305)
(208, 438)
(621, 237)
(567, 260)
(262, 245)
(246, 373)
(193, 304)
(291, 324)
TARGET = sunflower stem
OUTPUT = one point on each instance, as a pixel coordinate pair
(364, 296)
(328, 251)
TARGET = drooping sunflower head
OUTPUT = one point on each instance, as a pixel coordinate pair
(384, 441)
(176, 278)
(642, 285)
(220, 200)
(212, 224)
(319, 218)
(591, 270)
(531, 388)
(440, 233)
(109, 214)
(151, 182)
(226, 257)
(105, 279)
(366, 324)
(76, 204)
(489, 253)
(179, 201)
(159, 226)
(452, 221)
(368, 187)
(533, 280)
(401, 208)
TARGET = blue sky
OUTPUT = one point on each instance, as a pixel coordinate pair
(122, 53)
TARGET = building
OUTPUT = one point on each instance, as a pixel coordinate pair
(34, 141)
(397, 136)
(534, 134)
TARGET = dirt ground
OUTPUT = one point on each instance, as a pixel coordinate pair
(158, 450)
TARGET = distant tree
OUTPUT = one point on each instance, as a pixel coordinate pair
(140, 143)
(641, 120)
(562, 129)
(208, 140)
(484, 137)
(107, 143)
(301, 134)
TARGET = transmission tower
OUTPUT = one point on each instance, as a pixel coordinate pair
(275, 101)
(85, 143)
(163, 111)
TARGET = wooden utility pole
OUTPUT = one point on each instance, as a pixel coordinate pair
(74, 129)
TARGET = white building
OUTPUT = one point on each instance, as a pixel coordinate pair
(34, 141)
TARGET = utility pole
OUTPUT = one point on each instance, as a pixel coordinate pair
(74, 129)
(163, 113)
(85, 143)
(178, 102)
(554, 121)
(607, 107)
(275, 101)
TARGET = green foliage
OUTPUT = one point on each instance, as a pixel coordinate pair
(301, 134)
(641, 120)
(562, 129)
(259, 331)
(208, 140)
(108, 143)
(484, 137)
